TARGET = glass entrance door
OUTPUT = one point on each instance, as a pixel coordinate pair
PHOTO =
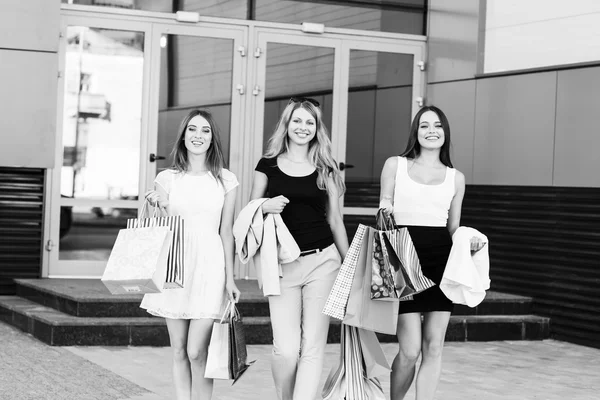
(379, 93)
(200, 67)
(289, 64)
(127, 85)
(102, 120)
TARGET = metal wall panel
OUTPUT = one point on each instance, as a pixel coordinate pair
(514, 130)
(540, 33)
(29, 25)
(28, 104)
(577, 154)
(544, 243)
(453, 38)
(457, 101)
(21, 217)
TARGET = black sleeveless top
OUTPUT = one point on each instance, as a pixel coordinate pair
(305, 214)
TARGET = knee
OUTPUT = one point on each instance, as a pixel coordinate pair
(287, 351)
(409, 354)
(197, 355)
(179, 353)
(433, 348)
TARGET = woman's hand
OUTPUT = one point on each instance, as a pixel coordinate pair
(387, 207)
(232, 290)
(153, 197)
(274, 205)
(476, 244)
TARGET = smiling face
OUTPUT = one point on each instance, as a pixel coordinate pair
(198, 135)
(302, 127)
(430, 132)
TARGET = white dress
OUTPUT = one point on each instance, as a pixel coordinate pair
(199, 200)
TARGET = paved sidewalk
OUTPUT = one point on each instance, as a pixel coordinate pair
(547, 370)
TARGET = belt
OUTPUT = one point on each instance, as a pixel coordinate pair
(309, 252)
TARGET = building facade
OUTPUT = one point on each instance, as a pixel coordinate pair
(94, 90)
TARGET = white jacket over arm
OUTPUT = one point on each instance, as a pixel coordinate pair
(267, 241)
(466, 277)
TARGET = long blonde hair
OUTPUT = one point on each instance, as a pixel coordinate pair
(319, 151)
(215, 161)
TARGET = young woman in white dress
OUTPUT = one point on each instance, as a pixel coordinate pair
(202, 192)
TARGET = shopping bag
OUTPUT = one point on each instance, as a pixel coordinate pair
(337, 300)
(361, 310)
(349, 381)
(174, 276)
(217, 362)
(403, 285)
(238, 361)
(138, 261)
(375, 362)
(227, 355)
(383, 285)
(335, 384)
(401, 246)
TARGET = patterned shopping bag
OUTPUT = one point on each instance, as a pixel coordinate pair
(338, 296)
(383, 286)
(138, 261)
(361, 310)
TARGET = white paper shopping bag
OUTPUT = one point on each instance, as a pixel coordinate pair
(217, 362)
(138, 261)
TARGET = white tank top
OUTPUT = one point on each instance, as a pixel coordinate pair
(418, 204)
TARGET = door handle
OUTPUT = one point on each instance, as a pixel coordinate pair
(153, 157)
(344, 166)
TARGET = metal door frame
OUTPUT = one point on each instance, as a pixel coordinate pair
(246, 115)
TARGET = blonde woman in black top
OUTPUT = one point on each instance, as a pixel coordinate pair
(303, 182)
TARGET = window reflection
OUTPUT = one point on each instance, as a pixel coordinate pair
(294, 70)
(196, 72)
(379, 117)
(104, 72)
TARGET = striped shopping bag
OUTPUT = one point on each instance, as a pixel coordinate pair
(174, 278)
(349, 380)
(338, 297)
(402, 246)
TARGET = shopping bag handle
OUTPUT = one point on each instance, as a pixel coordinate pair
(230, 312)
(384, 222)
(156, 211)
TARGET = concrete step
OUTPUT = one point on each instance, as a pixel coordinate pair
(60, 329)
(89, 298)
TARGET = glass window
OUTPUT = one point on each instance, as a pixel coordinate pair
(395, 16)
(102, 113)
(379, 117)
(213, 8)
(294, 70)
(196, 72)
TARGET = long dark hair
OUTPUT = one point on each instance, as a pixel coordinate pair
(413, 148)
(215, 161)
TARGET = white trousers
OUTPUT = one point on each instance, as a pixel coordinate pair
(299, 326)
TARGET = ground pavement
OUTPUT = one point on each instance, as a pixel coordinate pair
(520, 370)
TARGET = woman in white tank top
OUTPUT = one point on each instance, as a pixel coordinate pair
(424, 193)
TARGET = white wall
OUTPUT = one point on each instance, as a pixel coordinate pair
(523, 34)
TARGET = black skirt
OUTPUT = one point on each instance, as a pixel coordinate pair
(433, 246)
